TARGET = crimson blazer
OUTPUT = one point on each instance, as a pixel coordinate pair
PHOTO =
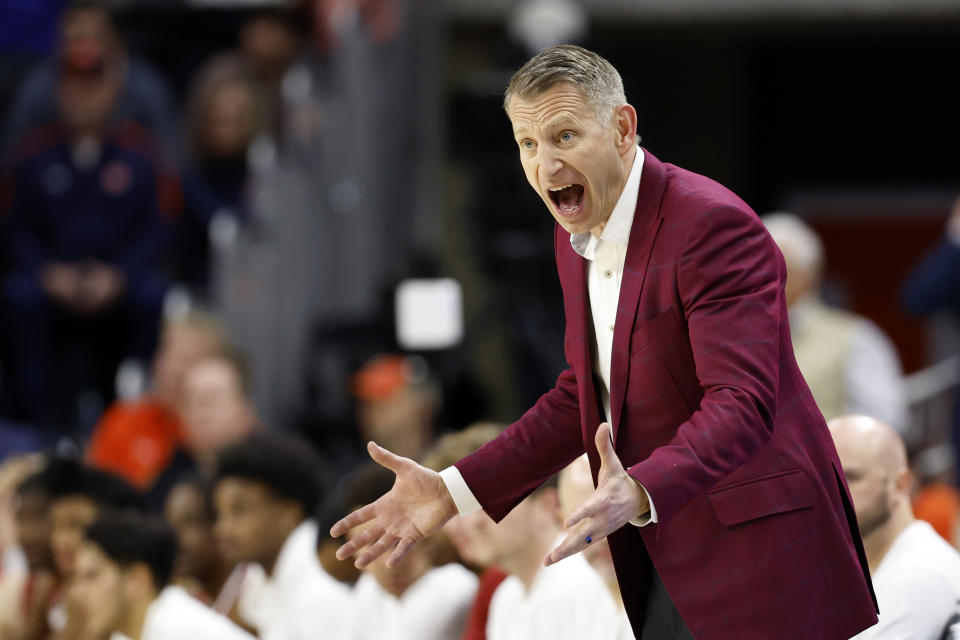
(756, 534)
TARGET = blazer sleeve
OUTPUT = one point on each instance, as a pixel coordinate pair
(542, 442)
(730, 280)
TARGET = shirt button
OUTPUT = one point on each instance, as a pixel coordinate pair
(611, 327)
(608, 273)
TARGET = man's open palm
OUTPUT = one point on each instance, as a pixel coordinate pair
(615, 501)
(416, 507)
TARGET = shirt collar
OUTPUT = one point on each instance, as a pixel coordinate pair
(617, 229)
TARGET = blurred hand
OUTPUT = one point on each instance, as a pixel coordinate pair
(13, 471)
(61, 281)
(416, 507)
(616, 500)
(100, 287)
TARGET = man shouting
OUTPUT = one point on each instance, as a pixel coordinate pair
(718, 485)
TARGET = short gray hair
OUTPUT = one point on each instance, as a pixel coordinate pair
(589, 72)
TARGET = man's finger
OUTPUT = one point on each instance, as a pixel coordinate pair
(364, 538)
(403, 546)
(585, 509)
(604, 442)
(355, 519)
(385, 458)
(386, 542)
(573, 543)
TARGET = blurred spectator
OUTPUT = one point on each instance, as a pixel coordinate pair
(217, 411)
(87, 33)
(89, 216)
(916, 574)
(934, 285)
(574, 487)
(266, 489)
(397, 404)
(849, 364)
(78, 494)
(26, 571)
(223, 117)
(225, 113)
(199, 568)
(13, 472)
(414, 600)
(565, 600)
(138, 439)
(123, 568)
(449, 449)
(271, 40)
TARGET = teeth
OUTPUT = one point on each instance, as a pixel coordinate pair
(566, 186)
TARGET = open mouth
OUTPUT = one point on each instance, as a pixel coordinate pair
(567, 198)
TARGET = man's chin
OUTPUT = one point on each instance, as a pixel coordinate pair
(574, 226)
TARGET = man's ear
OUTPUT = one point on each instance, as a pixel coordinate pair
(903, 481)
(625, 121)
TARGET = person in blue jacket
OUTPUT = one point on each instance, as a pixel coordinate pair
(143, 97)
(88, 206)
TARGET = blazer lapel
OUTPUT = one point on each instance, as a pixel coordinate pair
(579, 330)
(576, 304)
(643, 232)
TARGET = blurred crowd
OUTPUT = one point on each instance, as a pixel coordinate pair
(150, 487)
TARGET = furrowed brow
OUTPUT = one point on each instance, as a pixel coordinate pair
(561, 122)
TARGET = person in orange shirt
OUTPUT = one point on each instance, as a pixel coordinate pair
(138, 439)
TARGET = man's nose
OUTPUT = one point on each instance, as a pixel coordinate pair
(550, 162)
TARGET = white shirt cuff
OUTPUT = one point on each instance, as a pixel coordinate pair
(462, 496)
(650, 517)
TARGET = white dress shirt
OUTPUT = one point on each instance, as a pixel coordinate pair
(176, 615)
(300, 601)
(566, 601)
(435, 607)
(605, 257)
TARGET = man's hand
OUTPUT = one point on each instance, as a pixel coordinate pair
(100, 287)
(617, 500)
(416, 507)
(61, 281)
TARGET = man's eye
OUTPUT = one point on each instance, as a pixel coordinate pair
(566, 136)
(526, 144)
